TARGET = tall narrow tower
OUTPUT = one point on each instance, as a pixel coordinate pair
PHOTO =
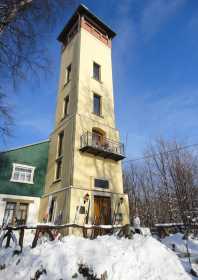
(84, 178)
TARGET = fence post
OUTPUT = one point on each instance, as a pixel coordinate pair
(8, 235)
(21, 236)
(34, 243)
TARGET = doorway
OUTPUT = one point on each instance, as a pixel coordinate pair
(102, 213)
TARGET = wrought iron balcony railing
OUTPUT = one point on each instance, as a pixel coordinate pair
(101, 146)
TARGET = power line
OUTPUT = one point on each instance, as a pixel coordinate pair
(168, 151)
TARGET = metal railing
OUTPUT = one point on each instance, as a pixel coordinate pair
(90, 139)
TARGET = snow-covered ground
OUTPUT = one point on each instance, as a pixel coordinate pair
(142, 258)
(180, 245)
(181, 250)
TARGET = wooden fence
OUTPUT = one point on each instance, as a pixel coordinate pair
(41, 229)
(163, 230)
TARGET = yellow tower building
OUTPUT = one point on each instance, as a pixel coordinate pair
(84, 177)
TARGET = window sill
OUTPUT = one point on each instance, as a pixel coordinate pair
(100, 116)
(56, 181)
(21, 182)
(59, 158)
(63, 118)
(99, 81)
(101, 189)
(65, 84)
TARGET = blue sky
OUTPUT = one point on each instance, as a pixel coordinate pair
(155, 66)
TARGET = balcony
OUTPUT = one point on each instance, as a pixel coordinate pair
(101, 146)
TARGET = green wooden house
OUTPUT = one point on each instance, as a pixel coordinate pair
(22, 179)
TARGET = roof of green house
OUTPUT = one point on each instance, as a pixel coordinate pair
(34, 155)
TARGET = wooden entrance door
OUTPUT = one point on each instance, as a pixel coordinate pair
(102, 212)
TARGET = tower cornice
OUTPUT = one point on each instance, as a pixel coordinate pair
(80, 13)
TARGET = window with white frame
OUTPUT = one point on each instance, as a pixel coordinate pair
(22, 173)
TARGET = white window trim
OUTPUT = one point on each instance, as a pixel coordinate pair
(22, 166)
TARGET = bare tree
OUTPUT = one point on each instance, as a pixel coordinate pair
(141, 193)
(6, 121)
(164, 184)
(131, 185)
(24, 29)
(182, 166)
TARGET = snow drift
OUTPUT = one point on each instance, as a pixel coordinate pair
(177, 240)
(142, 258)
